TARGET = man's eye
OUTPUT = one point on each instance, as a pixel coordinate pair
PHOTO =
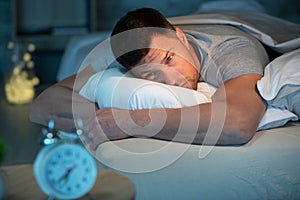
(169, 59)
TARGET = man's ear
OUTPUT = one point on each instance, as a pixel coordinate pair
(180, 34)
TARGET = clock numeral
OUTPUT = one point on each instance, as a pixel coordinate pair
(53, 163)
(84, 161)
(87, 170)
(68, 152)
(58, 155)
(49, 172)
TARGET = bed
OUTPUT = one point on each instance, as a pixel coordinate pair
(265, 168)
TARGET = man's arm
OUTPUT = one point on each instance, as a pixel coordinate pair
(56, 102)
(243, 108)
(231, 118)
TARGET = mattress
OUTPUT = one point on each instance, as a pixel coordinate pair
(265, 168)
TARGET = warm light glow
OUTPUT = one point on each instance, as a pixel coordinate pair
(19, 87)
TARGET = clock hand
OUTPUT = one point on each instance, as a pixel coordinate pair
(65, 176)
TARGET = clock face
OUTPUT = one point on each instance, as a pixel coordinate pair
(67, 171)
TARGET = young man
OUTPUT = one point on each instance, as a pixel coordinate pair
(223, 56)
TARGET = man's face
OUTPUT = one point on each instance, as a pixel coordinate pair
(169, 61)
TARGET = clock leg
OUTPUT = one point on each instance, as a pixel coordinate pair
(89, 196)
(51, 198)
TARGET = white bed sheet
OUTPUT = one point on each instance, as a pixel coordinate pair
(266, 168)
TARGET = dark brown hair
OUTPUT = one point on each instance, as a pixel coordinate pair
(140, 18)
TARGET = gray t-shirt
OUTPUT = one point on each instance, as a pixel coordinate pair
(225, 52)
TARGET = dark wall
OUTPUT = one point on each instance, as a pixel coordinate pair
(6, 33)
(46, 59)
(285, 9)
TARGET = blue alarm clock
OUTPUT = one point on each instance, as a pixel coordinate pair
(64, 169)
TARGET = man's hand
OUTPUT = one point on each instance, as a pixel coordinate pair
(103, 127)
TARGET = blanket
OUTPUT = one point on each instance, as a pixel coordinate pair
(281, 35)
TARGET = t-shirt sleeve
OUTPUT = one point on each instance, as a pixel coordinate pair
(234, 57)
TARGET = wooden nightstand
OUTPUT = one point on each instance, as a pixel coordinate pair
(21, 184)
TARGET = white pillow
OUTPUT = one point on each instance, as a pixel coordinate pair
(118, 89)
(280, 86)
